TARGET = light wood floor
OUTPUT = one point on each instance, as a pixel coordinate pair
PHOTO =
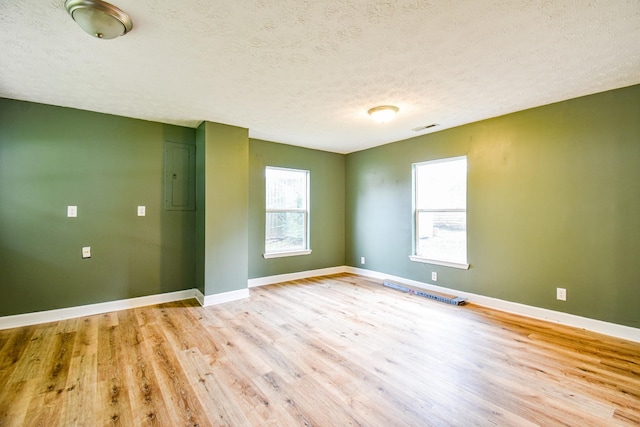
(334, 351)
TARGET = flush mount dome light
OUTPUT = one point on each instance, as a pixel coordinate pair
(99, 18)
(383, 113)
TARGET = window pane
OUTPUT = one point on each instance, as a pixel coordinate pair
(442, 236)
(286, 189)
(442, 185)
(285, 231)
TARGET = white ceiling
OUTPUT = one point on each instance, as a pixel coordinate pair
(305, 72)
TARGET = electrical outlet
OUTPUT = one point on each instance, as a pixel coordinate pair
(561, 294)
(86, 252)
(72, 211)
(142, 210)
(434, 276)
(361, 260)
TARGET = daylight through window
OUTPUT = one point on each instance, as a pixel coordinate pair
(287, 213)
(440, 202)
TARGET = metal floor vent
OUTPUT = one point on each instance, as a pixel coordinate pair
(431, 295)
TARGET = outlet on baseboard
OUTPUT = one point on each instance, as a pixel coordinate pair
(561, 294)
(434, 276)
(361, 260)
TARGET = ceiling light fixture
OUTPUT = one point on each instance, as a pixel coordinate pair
(383, 113)
(99, 18)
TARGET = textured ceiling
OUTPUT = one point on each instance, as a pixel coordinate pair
(305, 72)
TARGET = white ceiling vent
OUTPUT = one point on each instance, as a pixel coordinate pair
(419, 128)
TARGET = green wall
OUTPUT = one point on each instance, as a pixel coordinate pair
(327, 215)
(200, 203)
(553, 201)
(51, 157)
(222, 203)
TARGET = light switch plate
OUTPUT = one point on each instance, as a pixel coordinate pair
(142, 210)
(72, 211)
(86, 252)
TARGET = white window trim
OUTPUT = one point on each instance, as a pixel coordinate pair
(304, 211)
(307, 243)
(286, 253)
(417, 258)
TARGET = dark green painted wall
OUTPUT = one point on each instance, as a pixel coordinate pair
(327, 215)
(553, 201)
(51, 157)
(200, 205)
(222, 202)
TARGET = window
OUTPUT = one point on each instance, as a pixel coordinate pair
(287, 213)
(440, 219)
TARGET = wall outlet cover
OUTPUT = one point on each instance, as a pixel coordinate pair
(72, 211)
(86, 252)
(561, 294)
(361, 260)
(434, 276)
(142, 210)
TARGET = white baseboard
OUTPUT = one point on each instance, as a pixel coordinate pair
(27, 319)
(599, 326)
(269, 280)
(207, 300)
(199, 296)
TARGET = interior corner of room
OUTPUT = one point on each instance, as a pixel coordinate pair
(552, 203)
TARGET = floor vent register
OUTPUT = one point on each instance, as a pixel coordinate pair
(449, 299)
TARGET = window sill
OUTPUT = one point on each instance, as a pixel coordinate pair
(416, 258)
(285, 254)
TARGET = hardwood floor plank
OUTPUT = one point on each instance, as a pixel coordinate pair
(210, 392)
(113, 406)
(172, 381)
(147, 403)
(16, 353)
(80, 391)
(187, 327)
(14, 402)
(23, 373)
(15, 343)
(80, 388)
(335, 350)
(87, 337)
(46, 406)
